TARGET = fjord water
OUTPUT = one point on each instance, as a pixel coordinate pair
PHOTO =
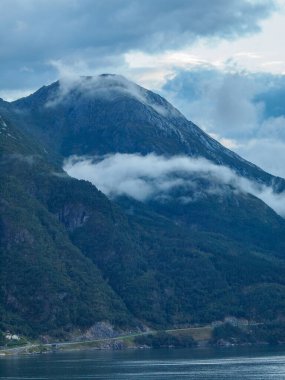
(235, 363)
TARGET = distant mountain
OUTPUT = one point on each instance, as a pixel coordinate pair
(75, 257)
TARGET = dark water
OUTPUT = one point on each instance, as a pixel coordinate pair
(242, 363)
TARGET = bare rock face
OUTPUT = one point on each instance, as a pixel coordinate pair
(100, 330)
(73, 216)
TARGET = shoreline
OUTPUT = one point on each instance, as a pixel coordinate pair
(113, 344)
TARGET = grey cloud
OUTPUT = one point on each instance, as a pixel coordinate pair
(221, 102)
(268, 153)
(234, 104)
(246, 110)
(33, 32)
(154, 177)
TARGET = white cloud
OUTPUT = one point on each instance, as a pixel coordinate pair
(266, 153)
(228, 143)
(105, 86)
(242, 110)
(102, 86)
(155, 177)
(220, 102)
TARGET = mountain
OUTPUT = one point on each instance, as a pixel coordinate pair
(95, 116)
(157, 261)
(109, 114)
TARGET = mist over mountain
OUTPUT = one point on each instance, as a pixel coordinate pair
(185, 232)
(159, 177)
(109, 114)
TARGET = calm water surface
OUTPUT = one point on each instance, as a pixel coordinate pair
(242, 363)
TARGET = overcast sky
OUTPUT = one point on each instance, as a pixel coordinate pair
(221, 62)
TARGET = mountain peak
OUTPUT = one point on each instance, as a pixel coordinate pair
(107, 113)
(104, 85)
(96, 81)
(107, 88)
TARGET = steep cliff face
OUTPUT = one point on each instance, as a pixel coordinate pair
(73, 216)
